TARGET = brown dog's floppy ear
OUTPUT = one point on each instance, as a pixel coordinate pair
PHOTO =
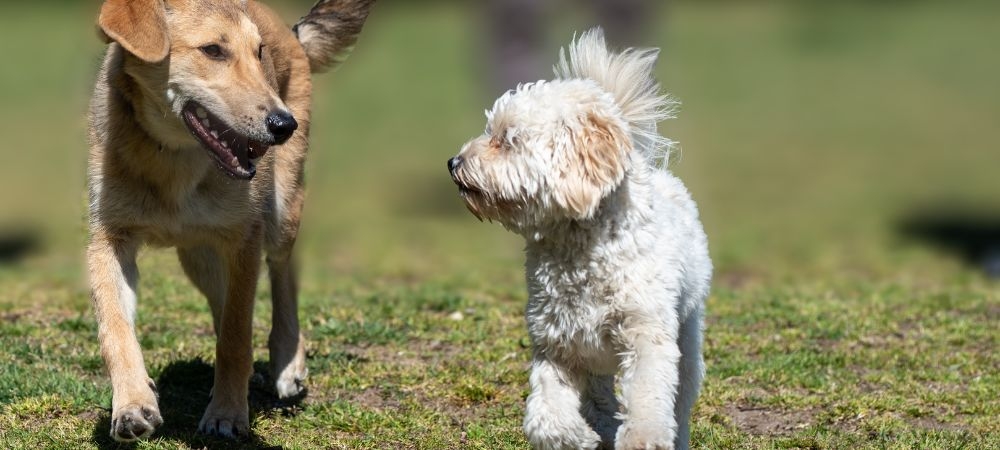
(138, 25)
(602, 152)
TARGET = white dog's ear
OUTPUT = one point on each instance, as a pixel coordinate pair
(602, 152)
(140, 26)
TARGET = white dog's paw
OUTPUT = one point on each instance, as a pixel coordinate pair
(544, 433)
(589, 441)
(228, 421)
(632, 437)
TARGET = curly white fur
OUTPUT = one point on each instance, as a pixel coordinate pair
(626, 76)
(617, 260)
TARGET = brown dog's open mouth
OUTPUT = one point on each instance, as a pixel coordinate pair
(235, 153)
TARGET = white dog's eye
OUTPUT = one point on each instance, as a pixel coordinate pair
(497, 142)
(509, 139)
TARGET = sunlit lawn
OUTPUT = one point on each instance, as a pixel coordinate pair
(810, 135)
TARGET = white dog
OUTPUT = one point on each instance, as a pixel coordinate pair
(618, 266)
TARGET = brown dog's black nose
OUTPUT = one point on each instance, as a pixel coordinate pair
(453, 163)
(281, 125)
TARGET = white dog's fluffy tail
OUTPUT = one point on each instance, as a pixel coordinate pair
(628, 76)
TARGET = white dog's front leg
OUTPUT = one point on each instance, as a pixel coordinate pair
(649, 388)
(553, 420)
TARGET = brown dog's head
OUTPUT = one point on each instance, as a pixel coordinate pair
(200, 66)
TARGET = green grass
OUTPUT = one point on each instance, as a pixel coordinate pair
(809, 132)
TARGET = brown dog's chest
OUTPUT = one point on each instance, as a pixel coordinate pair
(214, 209)
(194, 225)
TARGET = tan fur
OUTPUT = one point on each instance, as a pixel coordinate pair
(139, 25)
(602, 150)
(151, 182)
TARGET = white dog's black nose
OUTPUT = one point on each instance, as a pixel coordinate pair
(453, 163)
(281, 124)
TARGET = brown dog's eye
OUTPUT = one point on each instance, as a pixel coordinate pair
(260, 52)
(212, 51)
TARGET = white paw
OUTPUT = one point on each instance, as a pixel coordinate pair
(632, 437)
(288, 367)
(544, 433)
(290, 383)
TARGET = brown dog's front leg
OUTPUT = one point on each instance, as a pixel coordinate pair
(113, 278)
(228, 414)
(285, 343)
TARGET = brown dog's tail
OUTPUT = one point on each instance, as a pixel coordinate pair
(329, 31)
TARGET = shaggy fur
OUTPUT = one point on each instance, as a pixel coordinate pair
(199, 128)
(617, 260)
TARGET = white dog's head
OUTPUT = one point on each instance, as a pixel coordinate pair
(552, 150)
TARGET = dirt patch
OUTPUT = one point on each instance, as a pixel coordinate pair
(826, 344)
(12, 317)
(92, 415)
(930, 423)
(375, 398)
(402, 383)
(769, 422)
(993, 312)
(856, 425)
(416, 353)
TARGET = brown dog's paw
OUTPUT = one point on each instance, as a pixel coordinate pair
(225, 422)
(134, 422)
(288, 367)
(290, 385)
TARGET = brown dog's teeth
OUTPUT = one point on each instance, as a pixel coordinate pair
(235, 154)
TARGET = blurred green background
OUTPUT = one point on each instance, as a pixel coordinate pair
(844, 156)
(808, 130)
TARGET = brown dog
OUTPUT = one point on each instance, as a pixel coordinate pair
(198, 129)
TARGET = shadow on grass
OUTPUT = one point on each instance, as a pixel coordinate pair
(17, 243)
(970, 235)
(184, 388)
